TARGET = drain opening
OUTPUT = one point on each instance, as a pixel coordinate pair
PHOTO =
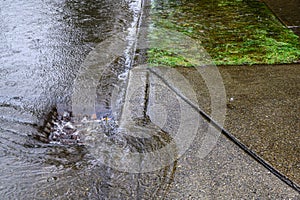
(63, 128)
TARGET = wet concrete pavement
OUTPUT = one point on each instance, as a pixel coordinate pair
(265, 113)
(225, 171)
(288, 12)
(262, 111)
(38, 73)
(173, 154)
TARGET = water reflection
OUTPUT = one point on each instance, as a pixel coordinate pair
(42, 47)
(42, 44)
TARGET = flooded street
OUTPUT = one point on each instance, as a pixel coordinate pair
(44, 44)
(54, 55)
(42, 48)
(83, 116)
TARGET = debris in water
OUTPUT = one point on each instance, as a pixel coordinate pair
(65, 129)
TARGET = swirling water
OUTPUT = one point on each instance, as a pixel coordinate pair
(42, 47)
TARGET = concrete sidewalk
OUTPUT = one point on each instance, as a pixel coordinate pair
(288, 13)
(209, 167)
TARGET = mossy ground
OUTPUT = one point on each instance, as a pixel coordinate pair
(233, 32)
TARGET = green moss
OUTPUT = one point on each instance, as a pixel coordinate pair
(163, 57)
(232, 32)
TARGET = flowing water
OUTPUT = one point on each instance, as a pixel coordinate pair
(63, 73)
(46, 53)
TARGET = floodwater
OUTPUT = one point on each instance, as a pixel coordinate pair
(59, 57)
(43, 47)
(44, 43)
(48, 50)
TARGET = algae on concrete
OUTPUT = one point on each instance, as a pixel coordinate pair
(233, 32)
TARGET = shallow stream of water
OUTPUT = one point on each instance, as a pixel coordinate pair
(64, 66)
(43, 49)
(52, 91)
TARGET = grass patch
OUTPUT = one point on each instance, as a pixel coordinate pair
(168, 58)
(233, 32)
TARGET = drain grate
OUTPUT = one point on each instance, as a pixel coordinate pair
(64, 131)
(67, 130)
(60, 129)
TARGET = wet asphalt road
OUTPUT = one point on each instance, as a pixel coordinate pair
(42, 45)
